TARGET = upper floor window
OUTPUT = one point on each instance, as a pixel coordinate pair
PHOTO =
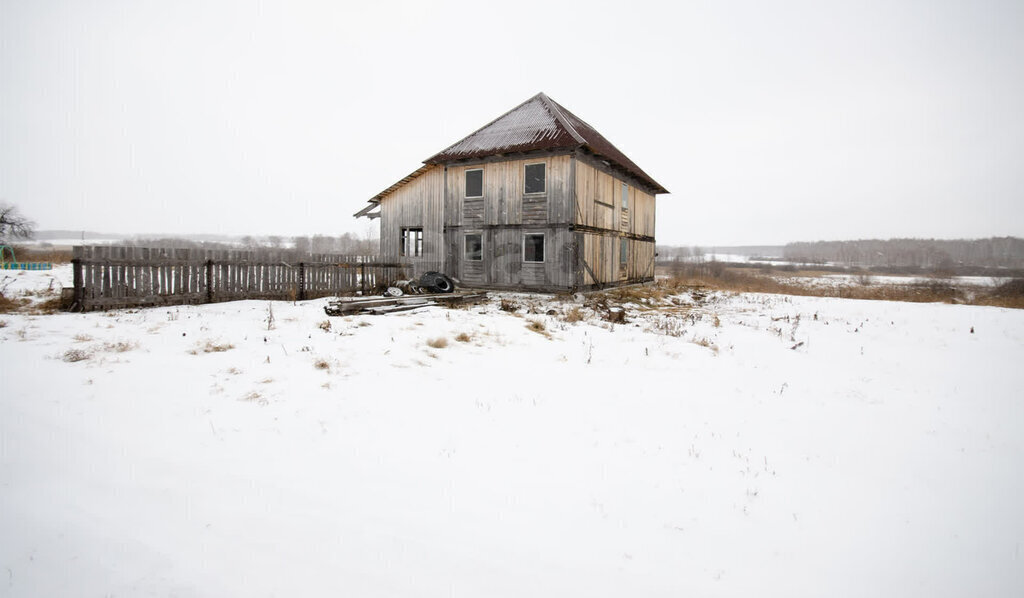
(475, 183)
(412, 242)
(625, 196)
(535, 178)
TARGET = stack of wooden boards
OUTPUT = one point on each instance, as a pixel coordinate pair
(348, 306)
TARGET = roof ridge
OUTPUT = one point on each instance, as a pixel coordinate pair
(557, 109)
(539, 96)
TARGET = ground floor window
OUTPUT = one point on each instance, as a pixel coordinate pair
(533, 247)
(474, 247)
(623, 251)
(412, 242)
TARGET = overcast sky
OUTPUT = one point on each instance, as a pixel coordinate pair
(768, 121)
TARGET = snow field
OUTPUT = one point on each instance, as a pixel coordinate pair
(194, 452)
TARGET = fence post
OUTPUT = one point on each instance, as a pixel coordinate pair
(209, 281)
(302, 281)
(79, 300)
(362, 277)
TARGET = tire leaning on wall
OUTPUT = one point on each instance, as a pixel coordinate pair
(435, 282)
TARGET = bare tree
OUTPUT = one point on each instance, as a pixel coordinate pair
(13, 224)
(302, 244)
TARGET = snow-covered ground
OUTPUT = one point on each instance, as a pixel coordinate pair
(727, 445)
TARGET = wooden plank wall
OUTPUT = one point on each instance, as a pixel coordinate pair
(108, 277)
(503, 201)
(601, 253)
(599, 202)
(503, 215)
(419, 203)
(599, 206)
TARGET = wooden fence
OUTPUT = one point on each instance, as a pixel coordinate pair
(108, 277)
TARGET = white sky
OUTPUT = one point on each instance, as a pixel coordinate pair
(769, 121)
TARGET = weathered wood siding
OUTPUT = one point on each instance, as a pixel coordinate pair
(504, 215)
(419, 203)
(502, 264)
(602, 257)
(599, 206)
(503, 201)
(599, 202)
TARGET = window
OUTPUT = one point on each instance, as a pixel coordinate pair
(623, 251)
(475, 183)
(474, 248)
(534, 178)
(412, 242)
(533, 247)
(625, 196)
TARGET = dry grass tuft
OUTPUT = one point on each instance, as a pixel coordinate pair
(49, 306)
(211, 347)
(462, 337)
(438, 343)
(8, 305)
(325, 325)
(254, 397)
(574, 315)
(75, 355)
(538, 327)
(322, 364)
(704, 342)
(119, 346)
(508, 305)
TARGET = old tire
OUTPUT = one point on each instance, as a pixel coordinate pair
(435, 282)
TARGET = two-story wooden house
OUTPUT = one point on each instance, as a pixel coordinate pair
(534, 200)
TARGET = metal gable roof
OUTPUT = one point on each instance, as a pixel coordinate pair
(539, 123)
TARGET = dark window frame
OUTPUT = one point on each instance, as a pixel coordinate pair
(409, 233)
(542, 248)
(623, 251)
(625, 196)
(465, 247)
(466, 182)
(526, 180)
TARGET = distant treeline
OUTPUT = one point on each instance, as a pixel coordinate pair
(922, 254)
(347, 244)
